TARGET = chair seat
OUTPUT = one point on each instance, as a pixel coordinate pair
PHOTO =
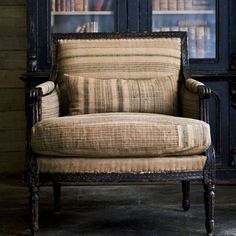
(120, 135)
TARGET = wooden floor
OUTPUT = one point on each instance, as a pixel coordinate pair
(118, 210)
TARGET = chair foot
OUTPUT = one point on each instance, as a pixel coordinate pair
(186, 195)
(209, 197)
(57, 197)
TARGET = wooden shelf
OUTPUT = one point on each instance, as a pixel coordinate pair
(184, 12)
(81, 13)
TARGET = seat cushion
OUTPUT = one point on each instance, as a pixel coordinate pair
(120, 135)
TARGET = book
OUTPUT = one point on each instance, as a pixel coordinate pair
(172, 5)
(192, 42)
(156, 5)
(188, 4)
(72, 5)
(58, 5)
(79, 5)
(200, 42)
(99, 5)
(68, 6)
(163, 5)
(208, 41)
(63, 5)
(86, 5)
(180, 5)
(53, 6)
(109, 5)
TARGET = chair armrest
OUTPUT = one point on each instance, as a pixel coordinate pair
(43, 102)
(193, 100)
(46, 87)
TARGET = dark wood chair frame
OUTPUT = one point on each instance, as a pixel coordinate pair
(35, 178)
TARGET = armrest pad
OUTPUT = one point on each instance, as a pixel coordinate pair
(46, 87)
(193, 85)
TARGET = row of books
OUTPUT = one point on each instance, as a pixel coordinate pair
(81, 5)
(200, 39)
(88, 27)
(173, 5)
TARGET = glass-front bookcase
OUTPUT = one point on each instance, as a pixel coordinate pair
(196, 17)
(82, 16)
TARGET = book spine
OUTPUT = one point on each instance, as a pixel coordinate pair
(188, 4)
(180, 5)
(192, 42)
(53, 6)
(86, 5)
(79, 5)
(72, 5)
(68, 7)
(109, 5)
(156, 5)
(63, 5)
(172, 5)
(200, 43)
(208, 42)
(58, 5)
(99, 5)
(163, 5)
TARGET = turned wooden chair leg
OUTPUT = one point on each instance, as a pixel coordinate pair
(34, 202)
(186, 195)
(57, 197)
(209, 198)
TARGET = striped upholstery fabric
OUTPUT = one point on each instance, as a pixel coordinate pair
(117, 58)
(189, 103)
(53, 164)
(120, 135)
(51, 105)
(89, 95)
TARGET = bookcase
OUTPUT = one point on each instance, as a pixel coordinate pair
(210, 25)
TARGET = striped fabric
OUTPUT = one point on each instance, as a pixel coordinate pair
(51, 105)
(193, 85)
(118, 59)
(89, 95)
(120, 135)
(189, 103)
(46, 87)
(51, 164)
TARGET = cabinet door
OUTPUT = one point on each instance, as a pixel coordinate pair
(83, 16)
(206, 23)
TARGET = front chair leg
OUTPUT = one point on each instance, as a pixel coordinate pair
(34, 201)
(57, 197)
(186, 198)
(209, 198)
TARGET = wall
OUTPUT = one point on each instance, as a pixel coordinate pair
(12, 64)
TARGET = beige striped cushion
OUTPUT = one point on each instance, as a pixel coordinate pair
(117, 58)
(120, 135)
(88, 95)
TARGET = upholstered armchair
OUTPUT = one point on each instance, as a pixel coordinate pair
(120, 108)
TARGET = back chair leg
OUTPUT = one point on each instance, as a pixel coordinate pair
(57, 197)
(186, 195)
(209, 198)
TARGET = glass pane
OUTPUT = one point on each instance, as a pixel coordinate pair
(82, 16)
(197, 17)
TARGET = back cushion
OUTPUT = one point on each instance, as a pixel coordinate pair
(137, 58)
(89, 95)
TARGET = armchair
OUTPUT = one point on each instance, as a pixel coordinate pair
(120, 108)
